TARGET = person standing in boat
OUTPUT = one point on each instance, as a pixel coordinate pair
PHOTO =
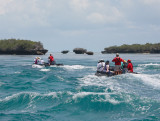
(130, 66)
(117, 61)
(51, 60)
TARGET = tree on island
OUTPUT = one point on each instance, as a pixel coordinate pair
(134, 48)
(21, 47)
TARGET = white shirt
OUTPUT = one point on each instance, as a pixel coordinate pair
(40, 61)
(100, 66)
(107, 67)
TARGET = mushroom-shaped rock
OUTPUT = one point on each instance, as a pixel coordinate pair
(79, 50)
(65, 51)
(89, 53)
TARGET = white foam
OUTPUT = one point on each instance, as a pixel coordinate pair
(76, 67)
(40, 78)
(53, 66)
(26, 64)
(61, 79)
(17, 72)
(153, 80)
(93, 80)
(69, 93)
(45, 70)
(53, 94)
(37, 66)
(149, 64)
(141, 67)
(106, 95)
(111, 100)
(1, 84)
(81, 95)
(31, 94)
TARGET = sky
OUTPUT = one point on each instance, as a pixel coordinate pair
(90, 24)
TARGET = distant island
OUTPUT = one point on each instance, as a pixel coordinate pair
(65, 51)
(82, 51)
(79, 50)
(21, 47)
(134, 48)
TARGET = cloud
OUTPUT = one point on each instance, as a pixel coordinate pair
(106, 17)
(74, 13)
(79, 14)
(96, 12)
(27, 13)
(79, 5)
(149, 2)
(155, 27)
(97, 18)
(77, 20)
(4, 6)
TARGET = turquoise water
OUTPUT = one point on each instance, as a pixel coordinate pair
(73, 93)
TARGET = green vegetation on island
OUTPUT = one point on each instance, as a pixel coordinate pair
(134, 48)
(82, 51)
(65, 51)
(21, 47)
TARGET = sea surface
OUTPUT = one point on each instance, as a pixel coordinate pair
(73, 93)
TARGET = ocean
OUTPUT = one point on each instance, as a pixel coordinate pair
(74, 93)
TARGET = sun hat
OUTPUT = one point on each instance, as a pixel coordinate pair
(101, 60)
(117, 54)
(129, 60)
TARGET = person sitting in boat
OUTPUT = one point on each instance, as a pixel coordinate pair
(124, 66)
(100, 65)
(39, 61)
(36, 60)
(106, 69)
(130, 66)
(51, 60)
(117, 61)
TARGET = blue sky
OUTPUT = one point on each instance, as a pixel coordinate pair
(90, 24)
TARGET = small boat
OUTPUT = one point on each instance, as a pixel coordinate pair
(40, 62)
(111, 73)
(56, 64)
(47, 64)
(104, 74)
(111, 68)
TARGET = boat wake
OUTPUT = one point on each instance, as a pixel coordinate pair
(37, 66)
(152, 80)
(77, 67)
